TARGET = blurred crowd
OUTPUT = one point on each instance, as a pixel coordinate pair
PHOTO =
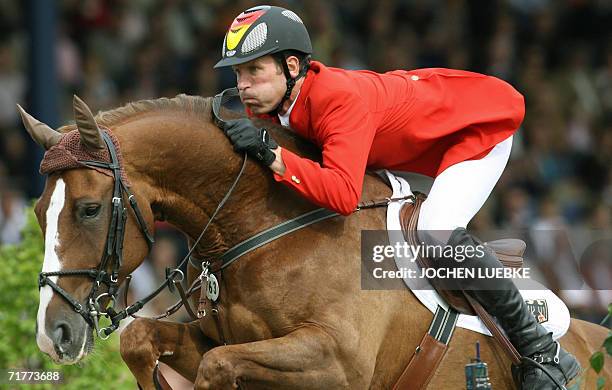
(558, 53)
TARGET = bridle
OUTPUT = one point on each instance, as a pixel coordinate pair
(112, 257)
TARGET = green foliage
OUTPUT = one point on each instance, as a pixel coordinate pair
(598, 358)
(597, 361)
(608, 344)
(19, 268)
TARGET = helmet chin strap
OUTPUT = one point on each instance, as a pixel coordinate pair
(290, 82)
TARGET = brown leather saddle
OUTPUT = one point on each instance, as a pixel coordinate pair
(509, 251)
(430, 352)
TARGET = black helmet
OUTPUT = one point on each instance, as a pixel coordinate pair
(263, 30)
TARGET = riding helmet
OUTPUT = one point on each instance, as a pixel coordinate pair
(263, 30)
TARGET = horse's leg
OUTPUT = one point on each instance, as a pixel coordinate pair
(181, 346)
(307, 358)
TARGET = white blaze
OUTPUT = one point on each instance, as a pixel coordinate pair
(50, 263)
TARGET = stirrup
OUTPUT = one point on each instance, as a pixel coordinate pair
(538, 360)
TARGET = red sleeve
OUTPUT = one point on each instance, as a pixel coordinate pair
(343, 126)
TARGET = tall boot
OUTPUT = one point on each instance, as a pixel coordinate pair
(506, 303)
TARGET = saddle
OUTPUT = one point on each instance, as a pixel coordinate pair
(430, 351)
(509, 251)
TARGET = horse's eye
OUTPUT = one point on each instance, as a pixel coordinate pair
(91, 211)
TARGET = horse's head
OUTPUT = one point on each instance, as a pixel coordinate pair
(85, 211)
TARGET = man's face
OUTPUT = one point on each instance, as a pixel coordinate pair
(261, 83)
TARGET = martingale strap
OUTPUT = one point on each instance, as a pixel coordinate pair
(260, 239)
(266, 236)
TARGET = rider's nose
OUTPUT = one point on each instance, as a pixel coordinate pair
(242, 83)
(61, 336)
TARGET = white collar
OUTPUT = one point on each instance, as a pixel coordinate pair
(284, 119)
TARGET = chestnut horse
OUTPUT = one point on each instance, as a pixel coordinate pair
(293, 310)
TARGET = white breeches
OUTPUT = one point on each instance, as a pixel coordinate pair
(459, 192)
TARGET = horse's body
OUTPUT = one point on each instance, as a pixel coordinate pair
(293, 310)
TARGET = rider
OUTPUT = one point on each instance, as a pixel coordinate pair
(454, 126)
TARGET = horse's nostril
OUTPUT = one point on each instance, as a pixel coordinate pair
(62, 336)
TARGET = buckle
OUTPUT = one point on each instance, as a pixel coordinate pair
(205, 270)
(538, 359)
(116, 200)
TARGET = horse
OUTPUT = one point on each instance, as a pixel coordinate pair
(292, 313)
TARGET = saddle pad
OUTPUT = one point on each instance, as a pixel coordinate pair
(548, 308)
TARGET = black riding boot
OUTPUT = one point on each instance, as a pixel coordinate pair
(529, 337)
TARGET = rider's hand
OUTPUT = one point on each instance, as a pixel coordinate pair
(247, 138)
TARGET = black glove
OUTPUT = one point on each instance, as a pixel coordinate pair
(256, 142)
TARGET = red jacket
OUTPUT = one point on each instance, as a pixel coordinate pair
(420, 121)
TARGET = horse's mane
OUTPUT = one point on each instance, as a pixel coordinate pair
(198, 105)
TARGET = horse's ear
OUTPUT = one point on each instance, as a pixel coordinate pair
(91, 136)
(41, 133)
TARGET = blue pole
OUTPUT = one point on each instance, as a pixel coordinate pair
(43, 82)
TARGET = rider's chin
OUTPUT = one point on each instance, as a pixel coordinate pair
(250, 104)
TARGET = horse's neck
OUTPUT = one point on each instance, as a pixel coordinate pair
(185, 166)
